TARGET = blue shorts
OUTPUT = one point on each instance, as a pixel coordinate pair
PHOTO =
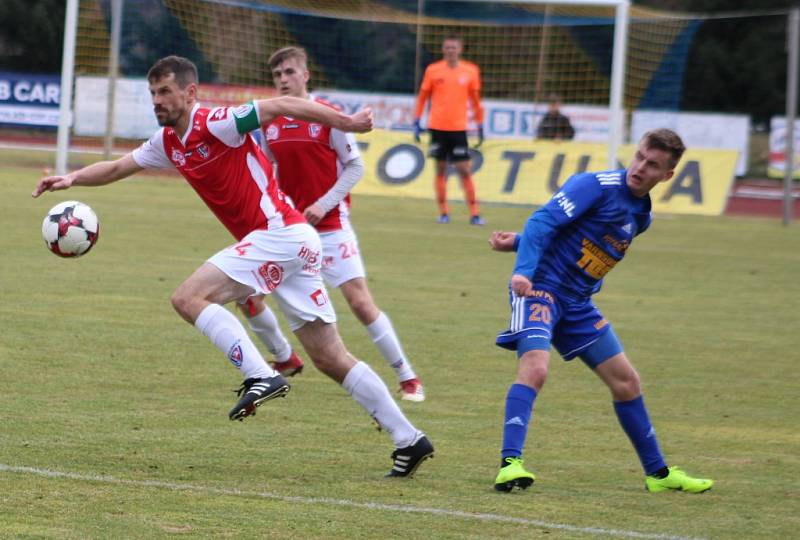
(574, 328)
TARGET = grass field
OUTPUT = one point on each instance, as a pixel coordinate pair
(114, 412)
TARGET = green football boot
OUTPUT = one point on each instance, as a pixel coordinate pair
(677, 479)
(513, 474)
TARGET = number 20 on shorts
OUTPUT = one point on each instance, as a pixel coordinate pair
(539, 313)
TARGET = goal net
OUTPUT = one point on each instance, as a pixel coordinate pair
(373, 52)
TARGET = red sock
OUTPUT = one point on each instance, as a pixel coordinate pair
(441, 193)
(469, 195)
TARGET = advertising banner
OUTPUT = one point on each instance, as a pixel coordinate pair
(777, 148)
(29, 100)
(700, 130)
(503, 119)
(133, 112)
(530, 172)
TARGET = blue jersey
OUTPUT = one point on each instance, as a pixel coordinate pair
(595, 217)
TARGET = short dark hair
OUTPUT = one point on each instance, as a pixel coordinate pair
(666, 140)
(287, 53)
(184, 69)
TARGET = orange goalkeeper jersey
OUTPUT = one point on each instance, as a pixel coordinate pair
(449, 89)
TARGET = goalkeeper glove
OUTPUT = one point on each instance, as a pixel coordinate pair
(417, 130)
(480, 136)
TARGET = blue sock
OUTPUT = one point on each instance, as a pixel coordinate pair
(634, 420)
(519, 405)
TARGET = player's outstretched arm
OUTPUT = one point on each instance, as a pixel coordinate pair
(503, 240)
(304, 109)
(96, 174)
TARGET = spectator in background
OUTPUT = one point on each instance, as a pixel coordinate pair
(449, 84)
(554, 125)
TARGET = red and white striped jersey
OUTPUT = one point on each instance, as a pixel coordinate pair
(228, 171)
(310, 157)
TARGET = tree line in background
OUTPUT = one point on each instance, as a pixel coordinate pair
(736, 64)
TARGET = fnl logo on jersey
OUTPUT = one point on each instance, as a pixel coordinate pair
(314, 130)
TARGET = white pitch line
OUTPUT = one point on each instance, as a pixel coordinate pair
(314, 501)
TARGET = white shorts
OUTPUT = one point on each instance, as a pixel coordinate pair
(284, 262)
(341, 260)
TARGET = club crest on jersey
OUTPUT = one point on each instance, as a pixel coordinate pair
(203, 151)
(243, 110)
(272, 274)
(235, 354)
(272, 132)
(178, 157)
(314, 130)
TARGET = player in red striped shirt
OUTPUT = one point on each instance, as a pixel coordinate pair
(317, 167)
(276, 252)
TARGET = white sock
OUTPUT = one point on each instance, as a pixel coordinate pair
(229, 336)
(371, 393)
(385, 339)
(265, 326)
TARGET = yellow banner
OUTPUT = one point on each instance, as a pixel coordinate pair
(530, 172)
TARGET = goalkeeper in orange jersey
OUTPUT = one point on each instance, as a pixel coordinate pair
(449, 84)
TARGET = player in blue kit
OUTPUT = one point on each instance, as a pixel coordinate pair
(565, 250)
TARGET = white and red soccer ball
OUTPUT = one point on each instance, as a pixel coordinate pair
(70, 229)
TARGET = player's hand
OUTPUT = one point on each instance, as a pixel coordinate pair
(480, 136)
(521, 286)
(502, 240)
(360, 122)
(52, 183)
(417, 131)
(314, 214)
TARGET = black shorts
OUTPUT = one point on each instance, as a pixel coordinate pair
(448, 145)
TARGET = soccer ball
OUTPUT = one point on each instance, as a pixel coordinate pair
(70, 229)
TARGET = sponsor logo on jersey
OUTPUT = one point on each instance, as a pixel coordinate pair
(563, 201)
(594, 261)
(290, 126)
(308, 255)
(178, 158)
(203, 151)
(272, 274)
(628, 227)
(235, 354)
(219, 114)
(243, 110)
(272, 132)
(463, 80)
(314, 130)
(536, 293)
(620, 245)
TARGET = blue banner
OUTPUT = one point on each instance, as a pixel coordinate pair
(29, 100)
